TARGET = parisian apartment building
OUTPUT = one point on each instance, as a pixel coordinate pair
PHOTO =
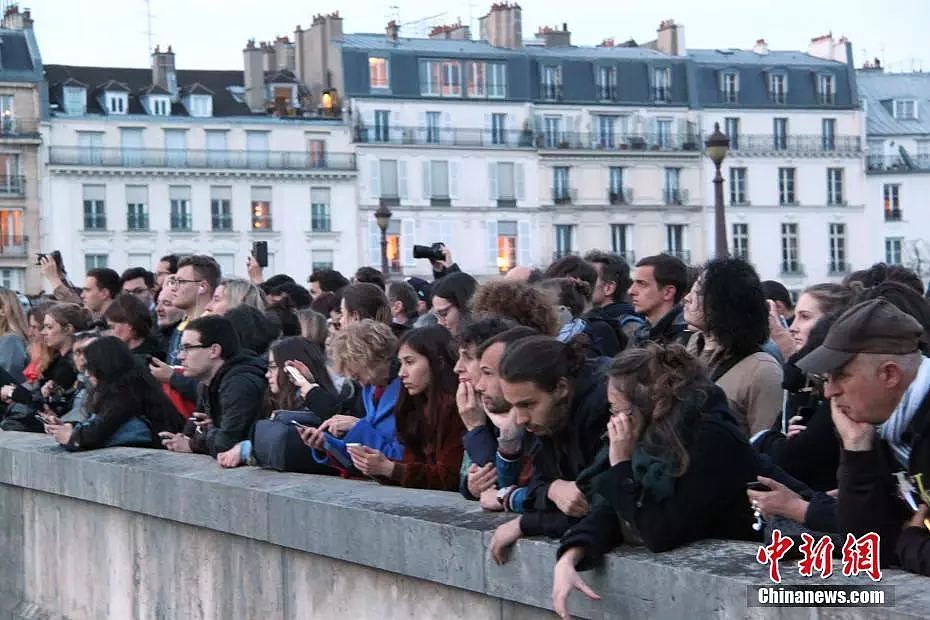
(510, 149)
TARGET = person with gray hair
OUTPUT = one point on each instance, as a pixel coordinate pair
(233, 292)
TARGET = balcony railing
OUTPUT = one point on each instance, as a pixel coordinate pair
(676, 196)
(599, 141)
(13, 245)
(606, 92)
(623, 196)
(445, 137)
(19, 128)
(662, 94)
(835, 268)
(893, 215)
(682, 255)
(189, 158)
(797, 145)
(792, 268)
(550, 92)
(564, 195)
(12, 185)
(904, 162)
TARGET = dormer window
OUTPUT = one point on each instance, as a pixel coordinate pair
(74, 100)
(662, 85)
(117, 103)
(826, 89)
(778, 88)
(200, 105)
(159, 106)
(729, 86)
(905, 109)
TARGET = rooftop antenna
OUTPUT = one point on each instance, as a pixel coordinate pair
(148, 26)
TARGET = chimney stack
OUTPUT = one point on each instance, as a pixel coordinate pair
(671, 38)
(163, 71)
(392, 31)
(502, 26)
(553, 37)
(454, 31)
(254, 76)
(14, 20)
(761, 47)
(284, 54)
(826, 47)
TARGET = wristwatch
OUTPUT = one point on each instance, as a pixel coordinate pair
(503, 496)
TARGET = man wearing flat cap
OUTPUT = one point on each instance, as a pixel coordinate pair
(878, 383)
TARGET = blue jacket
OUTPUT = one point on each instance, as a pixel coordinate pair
(376, 430)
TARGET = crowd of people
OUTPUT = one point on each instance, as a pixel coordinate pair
(600, 403)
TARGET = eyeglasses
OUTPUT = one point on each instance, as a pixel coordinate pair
(135, 291)
(184, 348)
(177, 282)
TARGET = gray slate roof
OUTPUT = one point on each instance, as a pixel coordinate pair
(773, 58)
(880, 89)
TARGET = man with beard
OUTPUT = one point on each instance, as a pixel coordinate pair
(561, 399)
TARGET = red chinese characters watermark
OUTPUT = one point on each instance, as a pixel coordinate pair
(860, 555)
(771, 554)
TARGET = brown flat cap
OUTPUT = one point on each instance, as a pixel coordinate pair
(875, 326)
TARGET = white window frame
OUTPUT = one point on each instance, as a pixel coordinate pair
(790, 248)
(729, 86)
(894, 250)
(738, 185)
(740, 240)
(117, 103)
(317, 205)
(838, 247)
(900, 107)
(787, 186)
(778, 88)
(74, 100)
(835, 186)
(375, 61)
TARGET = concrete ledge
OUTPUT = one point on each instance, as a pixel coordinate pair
(167, 523)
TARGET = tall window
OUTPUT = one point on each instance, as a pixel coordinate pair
(485, 79)
(835, 186)
(75, 99)
(738, 186)
(905, 109)
(741, 241)
(498, 128)
(436, 177)
(838, 249)
(780, 134)
(620, 242)
(382, 126)
(553, 133)
(505, 180)
(11, 230)
(825, 88)
(731, 127)
(615, 186)
(506, 246)
(137, 208)
(675, 241)
(497, 80)
(786, 195)
(893, 247)
(729, 87)
(560, 190)
(828, 134)
(261, 208)
(662, 85)
(563, 240)
(892, 198)
(316, 150)
(551, 82)
(778, 88)
(256, 146)
(432, 127)
(221, 208)
(95, 214)
(606, 83)
(441, 78)
(393, 246)
(181, 216)
(176, 147)
(90, 147)
(388, 178)
(378, 70)
(664, 133)
(606, 136)
(673, 194)
(319, 210)
(790, 259)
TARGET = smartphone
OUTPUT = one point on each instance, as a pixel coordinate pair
(757, 486)
(353, 445)
(293, 373)
(41, 419)
(260, 252)
(299, 425)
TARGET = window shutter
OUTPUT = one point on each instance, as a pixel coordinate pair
(374, 181)
(492, 244)
(407, 242)
(374, 244)
(492, 181)
(453, 179)
(427, 177)
(524, 243)
(520, 181)
(721, 80)
(402, 179)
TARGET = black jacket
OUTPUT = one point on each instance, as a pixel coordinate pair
(564, 455)
(869, 501)
(150, 347)
(709, 500)
(671, 329)
(233, 400)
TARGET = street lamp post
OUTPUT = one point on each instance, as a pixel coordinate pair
(383, 217)
(717, 144)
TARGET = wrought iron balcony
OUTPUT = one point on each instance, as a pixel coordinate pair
(199, 159)
(835, 268)
(624, 196)
(903, 162)
(13, 246)
(12, 185)
(606, 92)
(11, 127)
(473, 137)
(550, 92)
(662, 94)
(676, 196)
(893, 215)
(609, 141)
(792, 268)
(812, 145)
(564, 195)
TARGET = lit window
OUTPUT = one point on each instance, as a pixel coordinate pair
(378, 68)
(506, 246)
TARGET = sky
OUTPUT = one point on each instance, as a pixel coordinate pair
(210, 34)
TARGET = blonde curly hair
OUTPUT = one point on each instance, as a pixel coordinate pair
(361, 344)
